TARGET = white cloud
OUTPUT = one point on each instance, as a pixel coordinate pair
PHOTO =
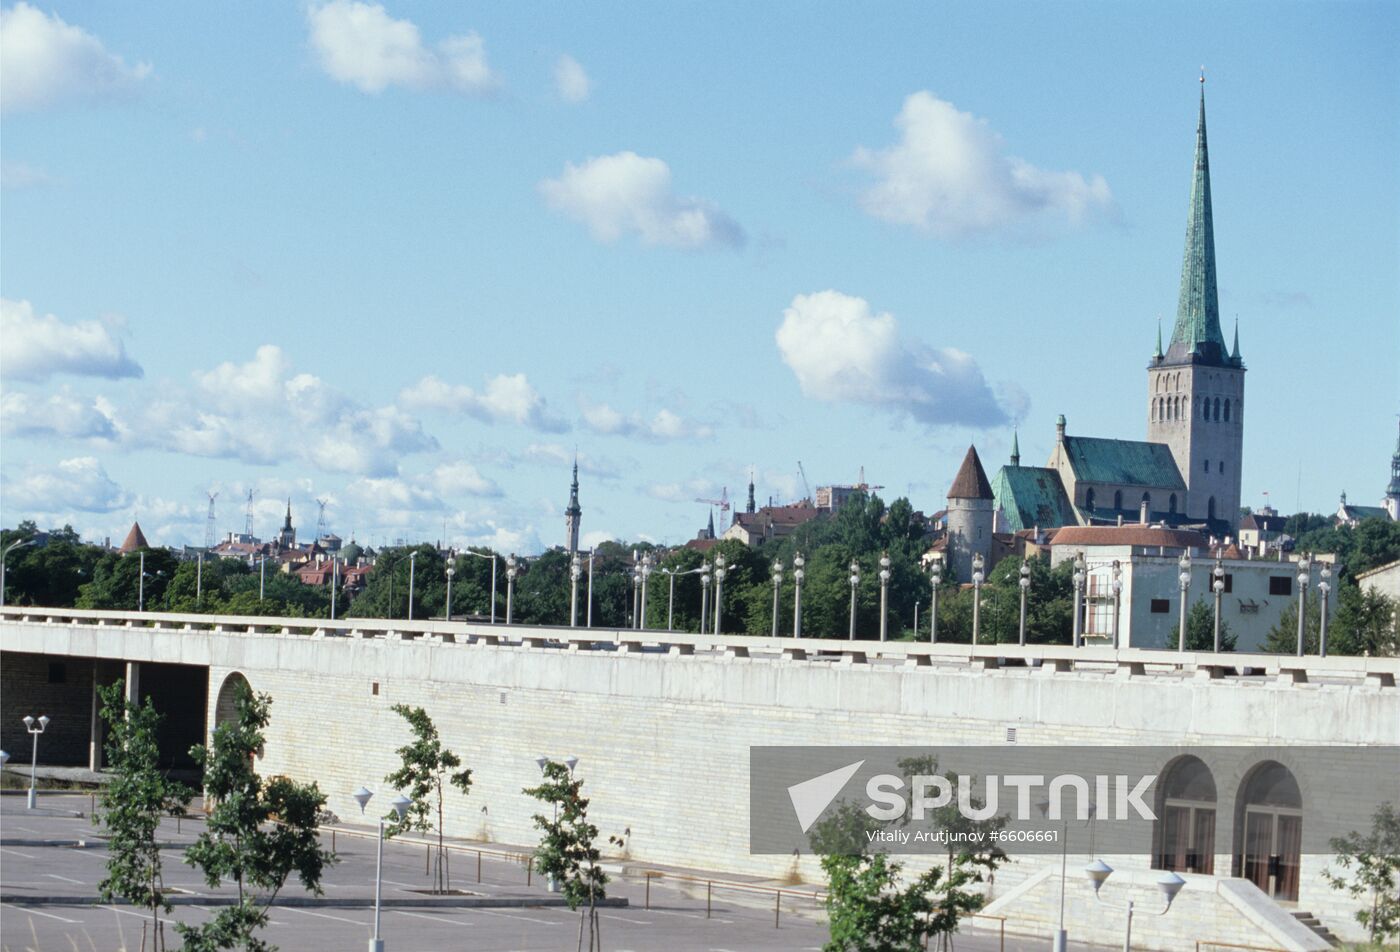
(841, 351)
(628, 194)
(393, 494)
(570, 79)
(362, 45)
(948, 175)
(663, 426)
(508, 398)
(16, 176)
(553, 454)
(36, 347)
(691, 490)
(74, 484)
(45, 61)
(591, 540)
(61, 414)
(262, 412)
(462, 478)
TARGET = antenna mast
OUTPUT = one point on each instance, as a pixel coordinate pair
(248, 526)
(209, 524)
(321, 518)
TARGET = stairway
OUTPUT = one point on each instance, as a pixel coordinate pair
(1312, 922)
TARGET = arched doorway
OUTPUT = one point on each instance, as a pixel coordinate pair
(225, 705)
(1269, 830)
(1185, 831)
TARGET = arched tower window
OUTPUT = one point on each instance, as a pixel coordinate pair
(1217, 408)
(1210, 508)
(1118, 499)
(1089, 498)
(1220, 467)
(1227, 411)
(1205, 466)
(1269, 830)
(1171, 504)
(1205, 410)
(1185, 828)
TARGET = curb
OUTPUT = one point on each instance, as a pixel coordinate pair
(427, 902)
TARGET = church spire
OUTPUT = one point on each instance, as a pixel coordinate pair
(749, 507)
(572, 514)
(1015, 449)
(1157, 354)
(1197, 331)
(574, 509)
(1235, 352)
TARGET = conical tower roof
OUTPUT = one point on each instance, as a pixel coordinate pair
(1197, 331)
(971, 481)
(135, 539)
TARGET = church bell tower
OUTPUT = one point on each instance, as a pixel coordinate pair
(1195, 388)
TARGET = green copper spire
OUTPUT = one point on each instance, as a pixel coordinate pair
(1197, 331)
(1235, 352)
(1015, 449)
(1157, 354)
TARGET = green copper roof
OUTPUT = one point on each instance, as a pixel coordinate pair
(1124, 462)
(1197, 332)
(1031, 496)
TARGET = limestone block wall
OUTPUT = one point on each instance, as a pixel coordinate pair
(663, 738)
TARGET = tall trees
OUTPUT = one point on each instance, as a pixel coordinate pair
(259, 832)
(133, 803)
(426, 768)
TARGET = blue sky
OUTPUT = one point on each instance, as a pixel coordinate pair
(407, 258)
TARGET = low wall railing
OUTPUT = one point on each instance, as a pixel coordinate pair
(1041, 659)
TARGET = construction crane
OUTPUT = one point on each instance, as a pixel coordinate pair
(806, 487)
(722, 503)
(863, 486)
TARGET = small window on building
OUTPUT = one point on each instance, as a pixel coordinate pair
(1280, 585)
(1205, 410)
(374, 689)
(1229, 582)
(1227, 411)
(1205, 465)
(58, 672)
(1220, 467)
(1089, 499)
(1160, 606)
(1118, 499)
(1171, 504)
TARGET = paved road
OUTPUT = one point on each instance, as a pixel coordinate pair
(31, 866)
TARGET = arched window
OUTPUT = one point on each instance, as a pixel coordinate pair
(1118, 499)
(1217, 408)
(1210, 508)
(1171, 504)
(1178, 381)
(1185, 829)
(1220, 467)
(1269, 830)
(1152, 411)
(1227, 411)
(1205, 410)
(1205, 465)
(1089, 499)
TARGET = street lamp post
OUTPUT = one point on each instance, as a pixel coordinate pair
(449, 573)
(1117, 599)
(1185, 581)
(636, 588)
(1324, 586)
(777, 583)
(412, 566)
(646, 575)
(935, 577)
(1304, 576)
(855, 581)
(575, 572)
(1218, 587)
(5, 555)
(35, 728)
(977, 576)
(884, 596)
(704, 597)
(588, 609)
(400, 804)
(1025, 583)
(720, 572)
(1170, 884)
(798, 574)
(1079, 576)
(510, 587)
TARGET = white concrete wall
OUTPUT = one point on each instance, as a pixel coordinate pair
(663, 739)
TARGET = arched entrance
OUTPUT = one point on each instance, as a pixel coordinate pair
(1269, 830)
(1185, 831)
(225, 705)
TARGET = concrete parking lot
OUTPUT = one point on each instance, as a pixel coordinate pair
(52, 859)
